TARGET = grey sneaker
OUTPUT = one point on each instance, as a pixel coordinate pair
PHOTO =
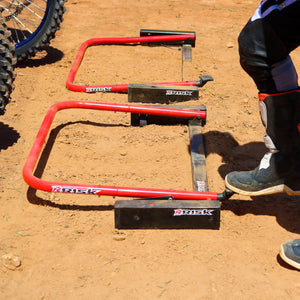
(277, 173)
(290, 253)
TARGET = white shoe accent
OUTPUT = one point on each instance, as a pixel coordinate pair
(265, 162)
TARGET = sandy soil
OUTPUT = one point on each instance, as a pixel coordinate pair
(62, 246)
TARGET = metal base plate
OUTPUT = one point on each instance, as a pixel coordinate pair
(167, 214)
(151, 32)
(147, 93)
(147, 119)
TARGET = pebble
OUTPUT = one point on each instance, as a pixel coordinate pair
(10, 261)
(119, 236)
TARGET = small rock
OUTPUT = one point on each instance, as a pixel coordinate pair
(119, 236)
(10, 261)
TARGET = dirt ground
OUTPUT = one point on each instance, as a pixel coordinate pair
(64, 246)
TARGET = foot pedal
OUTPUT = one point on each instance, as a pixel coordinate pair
(146, 93)
(167, 214)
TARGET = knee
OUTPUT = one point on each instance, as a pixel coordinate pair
(264, 57)
(252, 48)
(254, 59)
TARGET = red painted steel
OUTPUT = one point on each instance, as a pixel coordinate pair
(49, 186)
(119, 41)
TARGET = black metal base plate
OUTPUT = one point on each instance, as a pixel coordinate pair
(147, 93)
(146, 119)
(167, 214)
(151, 32)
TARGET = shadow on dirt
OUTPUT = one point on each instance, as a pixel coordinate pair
(49, 55)
(34, 199)
(282, 263)
(235, 157)
(246, 157)
(8, 136)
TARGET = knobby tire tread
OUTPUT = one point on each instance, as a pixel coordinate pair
(46, 33)
(7, 66)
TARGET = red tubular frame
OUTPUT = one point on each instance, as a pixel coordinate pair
(49, 186)
(119, 41)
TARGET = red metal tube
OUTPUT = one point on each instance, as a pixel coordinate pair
(118, 41)
(49, 186)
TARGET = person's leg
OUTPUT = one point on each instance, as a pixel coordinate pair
(265, 44)
(290, 253)
(278, 171)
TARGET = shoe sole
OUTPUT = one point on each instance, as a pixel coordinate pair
(288, 260)
(282, 188)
